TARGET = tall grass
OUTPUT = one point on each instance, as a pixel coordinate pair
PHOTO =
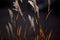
(17, 35)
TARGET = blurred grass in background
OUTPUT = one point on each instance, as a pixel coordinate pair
(30, 27)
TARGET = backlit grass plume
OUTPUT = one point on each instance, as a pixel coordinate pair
(23, 31)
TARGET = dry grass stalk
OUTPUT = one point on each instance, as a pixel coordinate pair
(19, 31)
(7, 28)
(49, 5)
(11, 14)
(11, 29)
(35, 7)
(12, 17)
(48, 14)
(42, 35)
(31, 19)
(36, 21)
(49, 36)
(25, 33)
(17, 7)
(17, 17)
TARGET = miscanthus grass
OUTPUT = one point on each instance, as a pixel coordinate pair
(17, 35)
